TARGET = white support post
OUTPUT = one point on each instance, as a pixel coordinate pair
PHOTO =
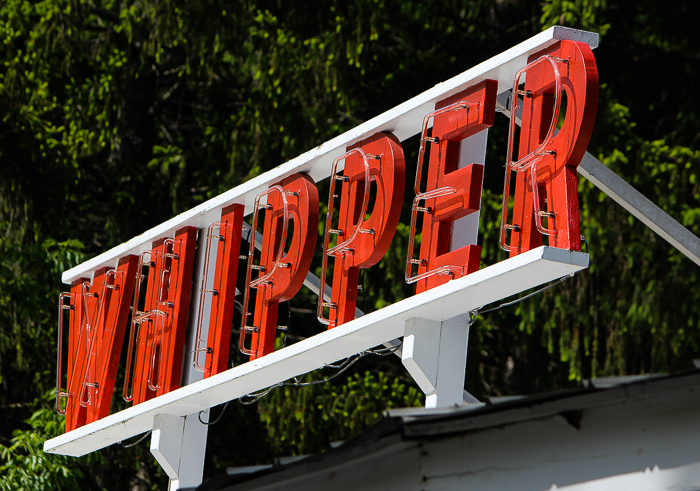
(420, 351)
(177, 443)
(435, 354)
(166, 443)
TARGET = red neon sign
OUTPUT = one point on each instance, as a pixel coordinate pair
(281, 274)
(546, 203)
(361, 242)
(159, 329)
(228, 238)
(452, 193)
(546, 183)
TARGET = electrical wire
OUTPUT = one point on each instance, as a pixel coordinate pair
(199, 416)
(476, 312)
(257, 396)
(342, 367)
(129, 445)
(518, 300)
(386, 351)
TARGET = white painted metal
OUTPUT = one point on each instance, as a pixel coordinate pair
(166, 442)
(465, 230)
(191, 450)
(404, 121)
(178, 446)
(454, 298)
(435, 354)
(421, 345)
(194, 445)
(451, 363)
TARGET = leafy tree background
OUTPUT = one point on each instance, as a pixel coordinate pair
(118, 114)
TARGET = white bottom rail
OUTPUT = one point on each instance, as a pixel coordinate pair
(447, 301)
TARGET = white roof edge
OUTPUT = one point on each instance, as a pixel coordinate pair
(403, 120)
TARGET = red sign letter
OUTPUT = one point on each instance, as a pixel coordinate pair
(281, 275)
(361, 243)
(223, 292)
(546, 184)
(452, 193)
(108, 337)
(163, 321)
(77, 351)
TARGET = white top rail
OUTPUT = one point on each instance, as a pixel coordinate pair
(404, 121)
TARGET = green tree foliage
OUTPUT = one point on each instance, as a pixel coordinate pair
(118, 114)
(305, 419)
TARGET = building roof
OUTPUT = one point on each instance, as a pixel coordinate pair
(643, 424)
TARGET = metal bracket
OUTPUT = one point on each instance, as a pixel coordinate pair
(435, 354)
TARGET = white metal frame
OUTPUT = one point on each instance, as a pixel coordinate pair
(444, 304)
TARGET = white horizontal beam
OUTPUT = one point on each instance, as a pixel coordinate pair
(445, 302)
(404, 120)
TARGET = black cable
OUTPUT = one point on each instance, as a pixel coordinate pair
(199, 416)
(344, 366)
(129, 445)
(386, 351)
(258, 396)
(517, 300)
